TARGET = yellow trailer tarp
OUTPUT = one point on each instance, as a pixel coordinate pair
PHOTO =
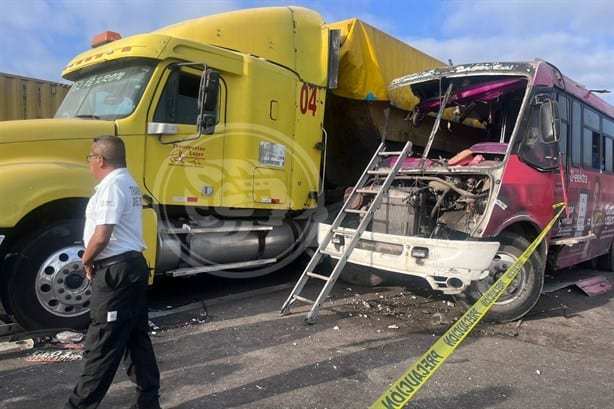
(370, 59)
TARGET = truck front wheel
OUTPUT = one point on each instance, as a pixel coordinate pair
(522, 293)
(47, 287)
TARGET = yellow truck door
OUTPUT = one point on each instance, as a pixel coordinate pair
(181, 167)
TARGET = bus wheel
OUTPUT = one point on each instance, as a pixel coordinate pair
(522, 293)
(47, 287)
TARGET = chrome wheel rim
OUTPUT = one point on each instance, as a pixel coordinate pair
(61, 286)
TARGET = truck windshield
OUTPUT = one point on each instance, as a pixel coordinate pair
(109, 93)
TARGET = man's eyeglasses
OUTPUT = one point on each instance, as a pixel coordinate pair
(93, 155)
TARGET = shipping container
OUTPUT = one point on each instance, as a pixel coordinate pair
(29, 98)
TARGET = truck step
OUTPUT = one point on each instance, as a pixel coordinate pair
(229, 266)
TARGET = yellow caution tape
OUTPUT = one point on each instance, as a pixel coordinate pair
(407, 385)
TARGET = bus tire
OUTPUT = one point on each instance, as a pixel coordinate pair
(47, 287)
(523, 292)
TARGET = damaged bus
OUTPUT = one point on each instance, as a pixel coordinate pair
(495, 145)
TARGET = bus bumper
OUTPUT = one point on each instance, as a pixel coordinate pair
(447, 265)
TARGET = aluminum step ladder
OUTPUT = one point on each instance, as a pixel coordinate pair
(366, 217)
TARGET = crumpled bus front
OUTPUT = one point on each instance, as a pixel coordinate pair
(444, 264)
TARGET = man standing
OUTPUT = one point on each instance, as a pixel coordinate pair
(114, 263)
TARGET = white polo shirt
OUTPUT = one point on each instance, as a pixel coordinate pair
(117, 201)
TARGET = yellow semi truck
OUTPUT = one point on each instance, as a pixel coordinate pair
(240, 127)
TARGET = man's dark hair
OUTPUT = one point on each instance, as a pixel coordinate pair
(113, 150)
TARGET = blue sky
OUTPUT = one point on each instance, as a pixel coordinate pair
(38, 37)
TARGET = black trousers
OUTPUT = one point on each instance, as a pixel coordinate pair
(118, 332)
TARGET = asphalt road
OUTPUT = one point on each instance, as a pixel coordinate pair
(231, 349)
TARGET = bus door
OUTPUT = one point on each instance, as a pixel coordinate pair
(540, 146)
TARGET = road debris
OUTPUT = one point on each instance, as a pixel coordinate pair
(14, 346)
(68, 337)
(55, 355)
(62, 347)
(592, 284)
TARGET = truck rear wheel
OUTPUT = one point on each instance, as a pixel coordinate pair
(47, 287)
(522, 293)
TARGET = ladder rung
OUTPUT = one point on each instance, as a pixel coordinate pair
(355, 211)
(368, 191)
(303, 299)
(330, 252)
(391, 153)
(344, 231)
(379, 172)
(318, 276)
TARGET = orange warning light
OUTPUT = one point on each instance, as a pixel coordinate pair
(104, 38)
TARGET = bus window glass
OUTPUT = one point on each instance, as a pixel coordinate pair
(563, 114)
(533, 149)
(576, 134)
(592, 159)
(591, 118)
(563, 138)
(562, 105)
(587, 149)
(601, 143)
(609, 154)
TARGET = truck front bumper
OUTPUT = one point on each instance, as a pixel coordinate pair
(447, 265)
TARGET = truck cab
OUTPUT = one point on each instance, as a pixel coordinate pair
(223, 133)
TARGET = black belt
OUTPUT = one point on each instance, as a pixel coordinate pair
(120, 258)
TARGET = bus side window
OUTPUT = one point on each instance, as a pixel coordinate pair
(564, 115)
(591, 149)
(608, 133)
(593, 155)
(598, 152)
(609, 154)
(576, 134)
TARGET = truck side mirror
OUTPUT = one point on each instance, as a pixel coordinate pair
(208, 102)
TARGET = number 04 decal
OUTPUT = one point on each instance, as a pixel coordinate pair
(309, 97)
